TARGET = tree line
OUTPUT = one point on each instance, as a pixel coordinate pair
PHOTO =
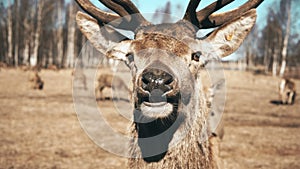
(44, 32)
(39, 32)
(275, 47)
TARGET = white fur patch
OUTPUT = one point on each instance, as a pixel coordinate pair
(160, 111)
(119, 51)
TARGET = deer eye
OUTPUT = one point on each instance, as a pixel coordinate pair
(196, 56)
(130, 57)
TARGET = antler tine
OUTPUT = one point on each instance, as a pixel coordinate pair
(215, 20)
(190, 13)
(121, 7)
(128, 6)
(95, 12)
(208, 10)
(114, 7)
(125, 7)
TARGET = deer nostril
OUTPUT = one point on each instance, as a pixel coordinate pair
(147, 77)
(146, 81)
(158, 76)
(156, 79)
(168, 79)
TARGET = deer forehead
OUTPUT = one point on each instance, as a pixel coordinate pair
(161, 42)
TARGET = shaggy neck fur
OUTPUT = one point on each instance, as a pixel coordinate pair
(191, 152)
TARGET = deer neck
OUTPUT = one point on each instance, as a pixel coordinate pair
(187, 145)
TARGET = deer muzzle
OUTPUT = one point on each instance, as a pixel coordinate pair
(157, 85)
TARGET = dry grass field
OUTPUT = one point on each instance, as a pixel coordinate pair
(40, 129)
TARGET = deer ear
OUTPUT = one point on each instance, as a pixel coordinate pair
(227, 38)
(120, 51)
(101, 38)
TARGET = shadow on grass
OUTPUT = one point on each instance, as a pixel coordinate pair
(279, 102)
(108, 98)
(276, 102)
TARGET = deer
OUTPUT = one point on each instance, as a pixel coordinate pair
(35, 80)
(3, 65)
(52, 67)
(110, 81)
(287, 91)
(170, 126)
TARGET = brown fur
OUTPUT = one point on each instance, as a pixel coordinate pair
(52, 67)
(287, 91)
(183, 154)
(36, 81)
(109, 81)
(36, 68)
(170, 48)
(3, 65)
(164, 43)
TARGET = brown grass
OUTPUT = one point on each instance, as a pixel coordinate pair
(40, 129)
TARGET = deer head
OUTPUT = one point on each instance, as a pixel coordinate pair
(165, 59)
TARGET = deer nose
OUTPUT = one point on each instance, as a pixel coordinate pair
(156, 80)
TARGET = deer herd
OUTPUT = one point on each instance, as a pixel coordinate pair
(166, 62)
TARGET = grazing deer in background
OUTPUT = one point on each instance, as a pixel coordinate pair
(287, 91)
(3, 65)
(110, 81)
(52, 67)
(170, 127)
(35, 80)
(36, 68)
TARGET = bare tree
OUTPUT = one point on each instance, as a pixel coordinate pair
(272, 42)
(38, 32)
(159, 18)
(286, 37)
(70, 56)
(9, 33)
(250, 50)
(34, 57)
(276, 50)
(59, 34)
(17, 25)
(27, 38)
(167, 11)
(3, 34)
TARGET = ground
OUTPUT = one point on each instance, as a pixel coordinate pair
(40, 129)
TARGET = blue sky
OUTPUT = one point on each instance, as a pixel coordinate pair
(147, 6)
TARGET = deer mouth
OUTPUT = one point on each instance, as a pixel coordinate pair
(157, 112)
(158, 103)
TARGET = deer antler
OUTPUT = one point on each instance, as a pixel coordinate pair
(96, 13)
(128, 6)
(206, 18)
(205, 12)
(215, 20)
(190, 13)
(121, 7)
